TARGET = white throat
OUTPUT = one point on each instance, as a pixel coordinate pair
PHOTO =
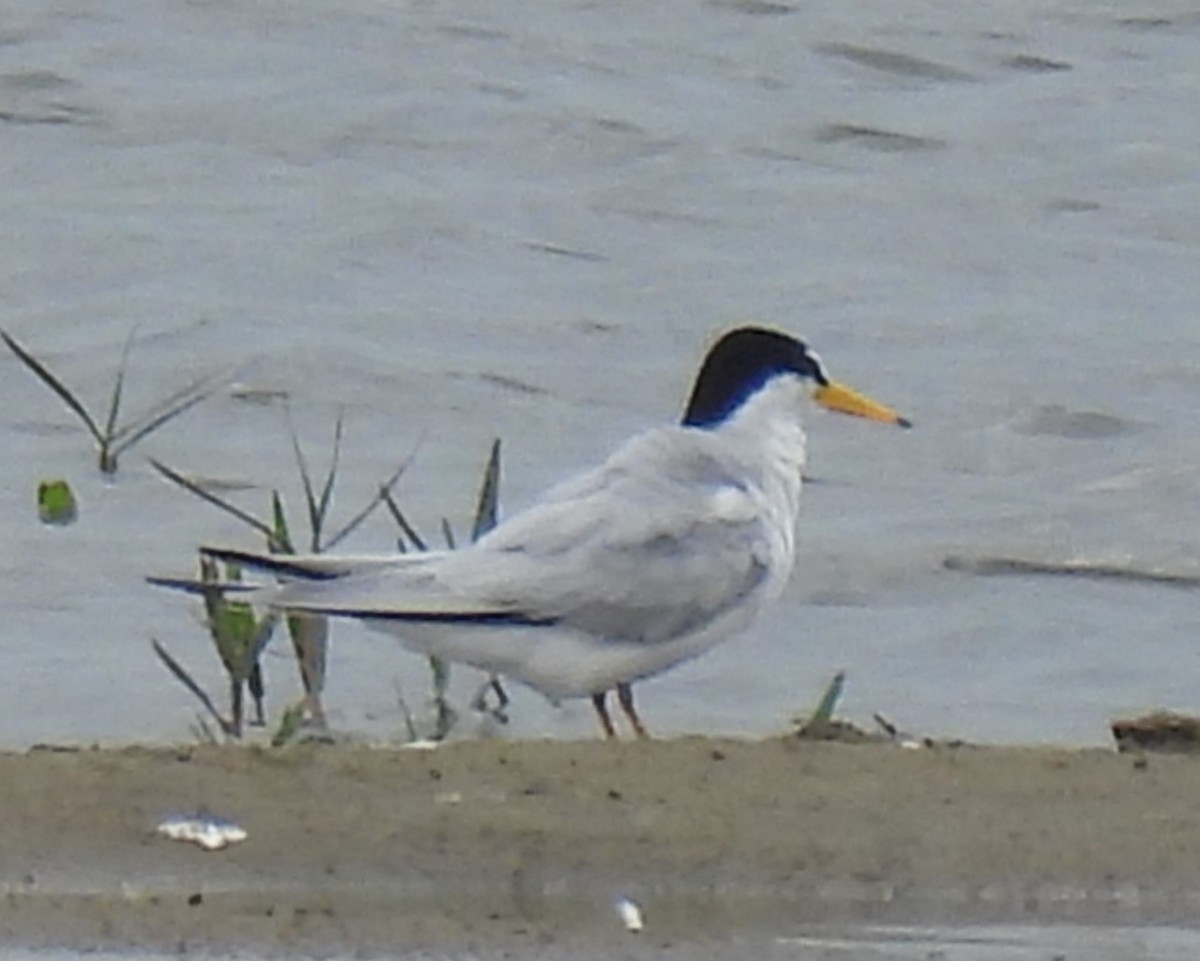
(767, 436)
(770, 420)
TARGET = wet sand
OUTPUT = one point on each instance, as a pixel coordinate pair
(493, 847)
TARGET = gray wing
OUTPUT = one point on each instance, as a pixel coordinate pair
(369, 585)
(654, 543)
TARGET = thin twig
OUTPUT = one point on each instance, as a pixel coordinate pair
(114, 406)
(56, 385)
(1099, 571)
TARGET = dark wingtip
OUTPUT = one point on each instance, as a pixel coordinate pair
(281, 564)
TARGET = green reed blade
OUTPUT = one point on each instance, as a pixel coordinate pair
(487, 510)
(187, 681)
(823, 713)
(279, 537)
(192, 487)
(114, 405)
(166, 410)
(289, 724)
(356, 521)
(402, 521)
(56, 385)
(330, 480)
(310, 496)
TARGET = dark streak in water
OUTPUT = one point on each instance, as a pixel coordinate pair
(756, 8)
(34, 80)
(1145, 22)
(658, 216)
(889, 61)
(26, 99)
(223, 484)
(774, 153)
(513, 384)
(874, 138)
(40, 428)
(1072, 205)
(472, 32)
(590, 326)
(1032, 64)
(56, 115)
(1055, 420)
(260, 395)
(509, 93)
(989, 566)
(558, 251)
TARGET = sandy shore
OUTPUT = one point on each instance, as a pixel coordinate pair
(491, 847)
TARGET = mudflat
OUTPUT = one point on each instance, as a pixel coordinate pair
(495, 847)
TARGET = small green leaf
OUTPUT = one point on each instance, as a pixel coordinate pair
(238, 624)
(289, 724)
(56, 503)
(237, 634)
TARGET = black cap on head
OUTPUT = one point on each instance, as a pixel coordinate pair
(740, 363)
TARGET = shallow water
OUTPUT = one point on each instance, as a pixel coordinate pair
(862, 943)
(459, 221)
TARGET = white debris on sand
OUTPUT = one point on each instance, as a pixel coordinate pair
(210, 833)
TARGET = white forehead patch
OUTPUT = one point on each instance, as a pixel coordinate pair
(816, 359)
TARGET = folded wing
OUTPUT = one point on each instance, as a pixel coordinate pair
(654, 543)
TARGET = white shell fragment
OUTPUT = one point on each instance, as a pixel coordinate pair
(211, 833)
(630, 914)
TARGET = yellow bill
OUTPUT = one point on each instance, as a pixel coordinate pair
(846, 400)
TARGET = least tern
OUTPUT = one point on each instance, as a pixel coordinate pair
(673, 544)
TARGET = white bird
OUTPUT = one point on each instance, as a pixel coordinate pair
(671, 545)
